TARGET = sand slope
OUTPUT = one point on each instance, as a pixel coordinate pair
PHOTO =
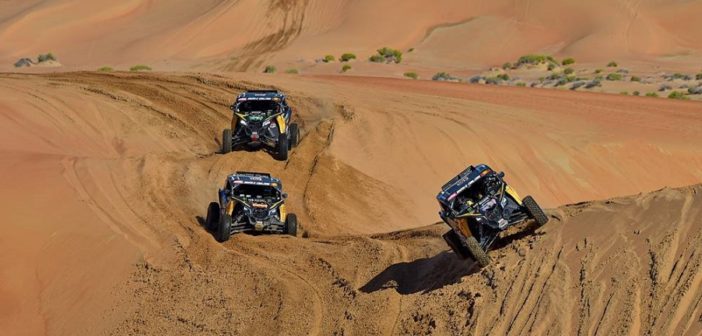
(104, 171)
(248, 34)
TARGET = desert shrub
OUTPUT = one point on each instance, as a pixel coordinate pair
(269, 69)
(598, 71)
(410, 50)
(612, 64)
(442, 76)
(329, 58)
(345, 68)
(388, 55)
(651, 94)
(140, 67)
(105, 69)
(551, 66)
(635, 79)
(568, 61)
(292, 71)
(535, 59)
(568, 71)
(664, 87)
(46, 57)
(345, 57)
(504, 77)
(493, 80)
(677, 75)
(410, 74)
(577, 85)
(677, 95)
(698, 76)
(506, 66)
(599, 78)
(614, 77)
(624, 93)
(593, 84)
(521, 84)
(377, 59)
(695, 90)
(475, 79)
(636, 93)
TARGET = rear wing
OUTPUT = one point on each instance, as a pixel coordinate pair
(458, 177)
(245, 173)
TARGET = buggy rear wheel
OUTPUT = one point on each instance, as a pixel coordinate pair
(212, 216)
(477, 252)
(281, 148)
(535, 211)
(291, 225)
(454, 242)
(294, 135)
(224, 228)
(226, 141)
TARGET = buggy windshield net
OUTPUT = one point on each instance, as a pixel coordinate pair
(248, 191)
(257, 105)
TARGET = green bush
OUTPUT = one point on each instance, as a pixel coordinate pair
(292, 71)
(46, 57)
(551, 66)
(442, 76)
(568, 71)
(412, 75)
(347, 57)
(410, 50)
(377, 59)
(635, 79)
(614, 77)
(329, 58)
(677, 95)
(624, 93)
(105, 69)
(269, 69)
(637, 93)
(612, 64)
(698, 76)
(506, 66)
(534, 59)
(568, 61)
(345, 68)
(504, 77)
(140, 67)
(598, 71)
(387, 55)
(521, 84)
(678, 75)
(651, 94)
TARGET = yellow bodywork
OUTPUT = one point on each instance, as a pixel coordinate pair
(283, 213)
(281, 123)
(510, 191)
(230, 207)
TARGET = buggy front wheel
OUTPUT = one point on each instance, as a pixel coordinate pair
(291, 225)
(226, 141)
(454, 242)
(477, 252)
(281, 148)
(535, 211)
(224, 228)
(212, 216)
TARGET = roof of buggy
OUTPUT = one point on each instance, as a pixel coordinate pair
(254, 178)
(260, 95)
(462, 181)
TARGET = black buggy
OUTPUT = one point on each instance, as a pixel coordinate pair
(478, 204)
(262, 118)
(250, 202)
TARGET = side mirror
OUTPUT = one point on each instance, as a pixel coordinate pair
(231, 107)
(284, 195)
(501, 174)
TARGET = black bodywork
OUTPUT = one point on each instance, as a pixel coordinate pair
(262, 118)
(250, 202)
(479, 203)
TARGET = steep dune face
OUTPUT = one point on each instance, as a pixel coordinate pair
(246, 35)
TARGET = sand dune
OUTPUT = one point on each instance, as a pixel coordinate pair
(120, 166)
(247, 35)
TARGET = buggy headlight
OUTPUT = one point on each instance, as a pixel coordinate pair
(266, 123)
(242, 122)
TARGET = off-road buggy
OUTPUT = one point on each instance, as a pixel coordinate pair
(478, 204)
(250, 202)
(261, 118)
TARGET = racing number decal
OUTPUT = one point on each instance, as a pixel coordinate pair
(281, 123)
